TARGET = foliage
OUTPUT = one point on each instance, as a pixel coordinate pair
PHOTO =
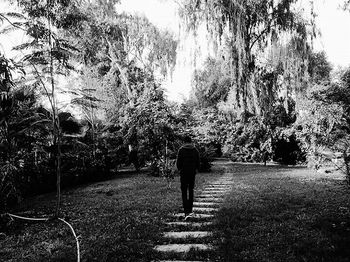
(319, 68)
(118, 58)
(247, 142)
(212, 84)
(148, 126)
(337, 96)
(249, 27)
(287, 149)
(8, 187)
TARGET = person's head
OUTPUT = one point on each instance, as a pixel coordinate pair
(187, 139)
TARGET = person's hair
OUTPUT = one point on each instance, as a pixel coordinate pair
(187, 139)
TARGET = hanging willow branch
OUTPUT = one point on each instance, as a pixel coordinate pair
(250, 26)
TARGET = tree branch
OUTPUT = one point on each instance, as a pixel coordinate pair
(11, 23)
(259, 36)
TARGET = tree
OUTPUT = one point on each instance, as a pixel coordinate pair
(319, 68)
(149, 126)
(23, 132)
(47, 55)
(249, 27)
(212, 84)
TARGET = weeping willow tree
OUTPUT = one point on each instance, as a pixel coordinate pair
(245, 29)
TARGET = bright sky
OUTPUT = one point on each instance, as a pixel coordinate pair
(333, 23)
(163, 14)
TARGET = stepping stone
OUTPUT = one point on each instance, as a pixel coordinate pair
(205, 204)
(216, 190)
(210, 196)
(195, 216)
(218, 187)
(189, 224)
(223, 184)
(177, 261)
(187, 234)
(182, 248)
(217, 200)
(204, 210)
(213, 192)
(212, 188)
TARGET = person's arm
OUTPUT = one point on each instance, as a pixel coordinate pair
(179, 160)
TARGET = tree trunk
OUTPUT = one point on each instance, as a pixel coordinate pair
(55, 119)
(347, 166)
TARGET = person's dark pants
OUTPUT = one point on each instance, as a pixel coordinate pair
(187, 186)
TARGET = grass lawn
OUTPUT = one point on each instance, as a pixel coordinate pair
(117, 220)
(284, 214)
(272, 214)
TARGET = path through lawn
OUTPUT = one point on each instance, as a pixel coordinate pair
(272, 214)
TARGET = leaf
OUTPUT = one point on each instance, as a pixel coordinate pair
(15, 15)
(25, 46)
(8, 29)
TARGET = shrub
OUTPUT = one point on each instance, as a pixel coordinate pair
(206, 157)
(287, 150)
(8, 190)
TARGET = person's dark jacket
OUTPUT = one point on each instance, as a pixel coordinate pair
(188, 160)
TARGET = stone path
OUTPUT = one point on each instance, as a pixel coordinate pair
(191, 235)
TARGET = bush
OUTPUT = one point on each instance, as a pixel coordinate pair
(287, 150)
(9, 193)
(248, 142)
(206, 157)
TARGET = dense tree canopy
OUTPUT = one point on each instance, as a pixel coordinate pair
(249, 27)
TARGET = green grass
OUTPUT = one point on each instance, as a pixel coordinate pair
(272, 214)
(284, 214)
(117, 220)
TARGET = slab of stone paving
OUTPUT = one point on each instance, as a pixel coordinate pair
(213, 192)
(195, 216)
(189, 224)
(178, 261)
(205, 204)
(217, 188)
(187, 234)
(222, 183)
(205, 210)
(182, 248)
(210, 196)
(217, 200)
